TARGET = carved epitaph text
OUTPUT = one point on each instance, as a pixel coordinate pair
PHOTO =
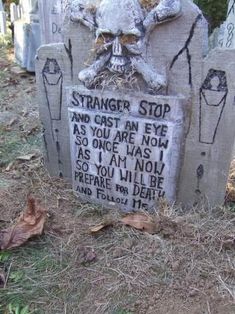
(125, 148)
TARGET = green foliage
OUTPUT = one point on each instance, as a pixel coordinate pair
(17, 309)
(214, 10)
(4, 257)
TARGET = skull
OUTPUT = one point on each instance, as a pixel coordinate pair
(122, 30)
(124, 36)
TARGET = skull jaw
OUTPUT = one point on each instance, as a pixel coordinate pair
(119, 64)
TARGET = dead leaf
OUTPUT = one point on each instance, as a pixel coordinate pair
(141, 222)
(26, 157)
(2, 280)
(101, 226)
(10, 166)
(30, 223)
(159, 224)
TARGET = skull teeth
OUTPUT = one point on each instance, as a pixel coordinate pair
(117, 64)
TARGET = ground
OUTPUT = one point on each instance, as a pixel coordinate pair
(187, 267)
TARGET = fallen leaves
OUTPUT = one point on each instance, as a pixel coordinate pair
(26, 157)
(30, 223)
(144, 222)
(141, 222)
(101, 226)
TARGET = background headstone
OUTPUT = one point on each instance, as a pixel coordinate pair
(14, 12)
(216, 39)
(201, 81)
(229, 30)
(3, 22)
(27, 35)
(51, 20)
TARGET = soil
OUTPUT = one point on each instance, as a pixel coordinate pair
(186, 267)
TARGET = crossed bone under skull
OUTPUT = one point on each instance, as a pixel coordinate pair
(122, 29)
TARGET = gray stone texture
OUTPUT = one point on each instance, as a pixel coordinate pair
(26, 42)
(3, 23)
(27, 35)
(229, 29)
(179, 48)
(14, 12)
(51, 20)
(132, 146)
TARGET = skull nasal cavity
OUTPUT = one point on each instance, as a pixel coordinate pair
(117, 47)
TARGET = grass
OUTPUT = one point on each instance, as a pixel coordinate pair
(51, 274)
(13, 145)
(5, 40)
(35, 274)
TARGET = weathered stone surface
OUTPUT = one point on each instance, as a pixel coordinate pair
(29, 7)
(125, 149)
(216, 39)
(3, 22)
(26, 42)
(229, 30)
(14, 12)
(51, 20)
(212, 133)
(27, 36)
(177, 50)
(55, 128)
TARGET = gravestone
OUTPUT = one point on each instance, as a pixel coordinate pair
(229, 30)
(132, 145)
(27, 36)
(3, 23)
(14, 12)
(134, 109)
(3, 20)
(51, 21)
(216, 39)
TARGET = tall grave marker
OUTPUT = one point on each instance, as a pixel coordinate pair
(229, 29)
(27, 37)
(51, 20)
(3, 20)
(131, 114)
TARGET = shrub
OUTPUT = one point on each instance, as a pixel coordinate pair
(214, 10)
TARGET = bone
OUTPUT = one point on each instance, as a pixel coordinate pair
(83, 15)
(88, 75)
(165, 11)
(153, 79)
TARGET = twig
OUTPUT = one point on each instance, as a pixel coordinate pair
(7, 276)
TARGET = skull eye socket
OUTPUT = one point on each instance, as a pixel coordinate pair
(129, 39)
(104, 38)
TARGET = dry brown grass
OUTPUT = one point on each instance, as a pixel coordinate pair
(121, 268)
